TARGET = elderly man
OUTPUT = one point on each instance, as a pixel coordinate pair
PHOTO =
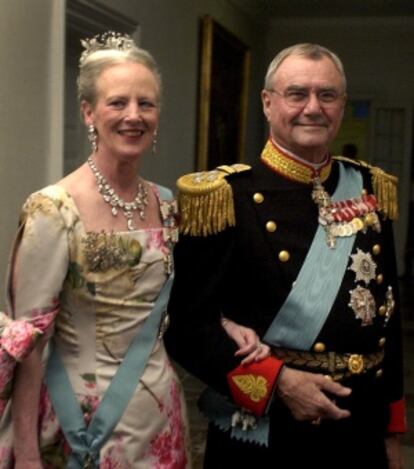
(299, 248)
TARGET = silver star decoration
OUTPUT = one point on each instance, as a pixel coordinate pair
(363, 304)
(364, 266)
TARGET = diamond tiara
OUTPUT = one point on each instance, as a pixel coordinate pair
(106, 41)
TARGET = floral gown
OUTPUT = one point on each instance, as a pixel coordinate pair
(105, 285)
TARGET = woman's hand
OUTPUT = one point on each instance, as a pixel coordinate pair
(247, 340)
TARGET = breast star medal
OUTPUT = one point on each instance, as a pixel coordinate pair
(364, 266)
(363, 304)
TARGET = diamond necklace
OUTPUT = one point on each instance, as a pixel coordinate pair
(117, 203)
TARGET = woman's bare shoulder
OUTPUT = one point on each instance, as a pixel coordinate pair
(77, 183)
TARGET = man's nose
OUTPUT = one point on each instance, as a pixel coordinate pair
(313, 105)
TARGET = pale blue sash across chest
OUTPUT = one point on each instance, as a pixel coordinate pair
(304, 312)
(85, 440)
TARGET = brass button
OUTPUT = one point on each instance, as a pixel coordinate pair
(271, 226)
(258, 198)
(382, 310)
(284, 256)
(356, 364)
(319, 347)
(381, 342)
(376, 249)
(370, 219)
(379, 373)
(380, 279)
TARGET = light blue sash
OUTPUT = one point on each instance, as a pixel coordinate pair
(303, 313)
(86, 441)
(307, 306)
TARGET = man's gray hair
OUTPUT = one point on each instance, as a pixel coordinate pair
(305, 50)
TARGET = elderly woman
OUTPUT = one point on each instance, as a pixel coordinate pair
(92, 255)
(91, 270)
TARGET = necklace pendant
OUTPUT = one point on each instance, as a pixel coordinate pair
(116, 203)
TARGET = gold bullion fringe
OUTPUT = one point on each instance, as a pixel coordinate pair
(384, 186)
(385, 190)
(208, 213)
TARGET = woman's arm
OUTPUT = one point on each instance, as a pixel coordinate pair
(35, 279)
(25, 411)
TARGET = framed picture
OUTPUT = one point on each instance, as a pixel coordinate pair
(224, 76)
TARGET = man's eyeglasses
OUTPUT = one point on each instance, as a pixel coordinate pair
(300, 98)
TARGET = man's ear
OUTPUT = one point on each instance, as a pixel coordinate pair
(266, 103)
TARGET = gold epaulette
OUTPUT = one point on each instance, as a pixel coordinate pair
(384, 185)
(205, 201)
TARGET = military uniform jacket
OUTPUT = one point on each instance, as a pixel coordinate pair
(246, 271)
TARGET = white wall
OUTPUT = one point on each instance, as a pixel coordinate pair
(31, 116)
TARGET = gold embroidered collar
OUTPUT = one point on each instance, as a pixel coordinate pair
(291, 168)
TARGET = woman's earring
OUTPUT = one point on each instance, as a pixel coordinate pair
(93, 137)
(154, 143)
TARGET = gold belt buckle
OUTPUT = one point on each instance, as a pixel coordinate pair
(356, 364)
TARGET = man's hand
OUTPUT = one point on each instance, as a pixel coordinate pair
(305, 395)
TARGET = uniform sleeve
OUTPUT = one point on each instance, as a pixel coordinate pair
(195, 337)
(393, 361)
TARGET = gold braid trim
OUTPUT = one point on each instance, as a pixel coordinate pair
(384, 185)
(290, 168)
(205, 201)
